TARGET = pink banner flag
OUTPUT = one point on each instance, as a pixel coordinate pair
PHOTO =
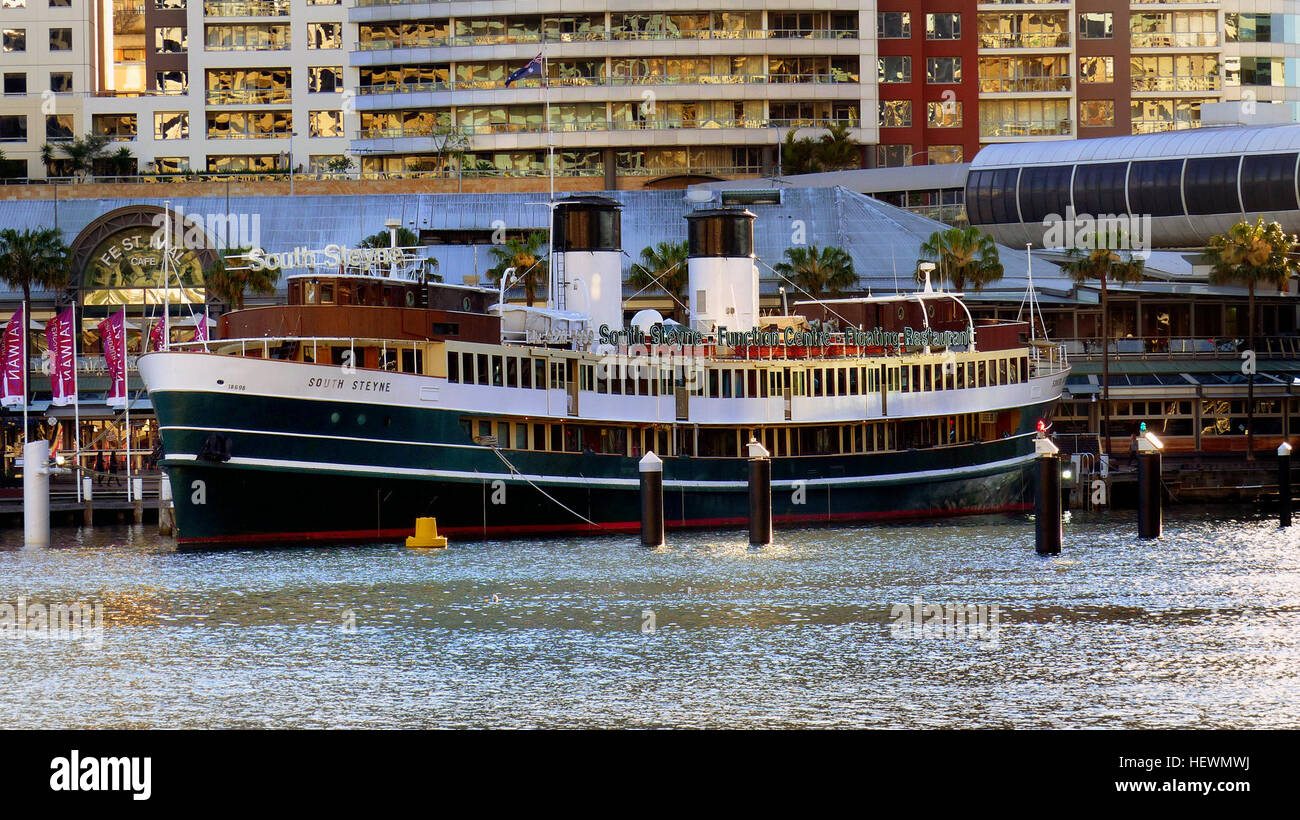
(112, 331)
(201, 332)
(15, 370)
(156, 337)
(59, 338)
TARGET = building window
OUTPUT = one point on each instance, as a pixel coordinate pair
(325, 123)
(171, 165)
(172, 82)
(247, 37)
(894, 69)
(946, 114)
(943, 154)
(15, 39)
(893, 156)
(324, 79)
(13, 128)
(58, 127)
(171, 125)
(1096, 113)
(1248, 28)
(894, 25)
(115, 126)
(15, 82)
(1096, 69)
(1254, 71)
(895, 113)
(323, 2)
(943, 26)
(60, 4)
(13, 4)
(1096, 25)
(324, 35)
(61, 82)
(249, 124)
(60, 39)
(170, 40)
(941, 70)
(169, 4)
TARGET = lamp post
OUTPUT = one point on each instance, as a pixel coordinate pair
(292, 134)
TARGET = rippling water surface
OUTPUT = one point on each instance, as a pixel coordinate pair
(1198, 629)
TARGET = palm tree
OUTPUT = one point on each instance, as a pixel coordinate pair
(814, 270)
(33, 258)
(229, 282)
(1104, 264)
(83, 152)
(837, 150)
(47, 157)
(406, 238)
(964, 256)
(662, 266)
(525, 256)
(1252, 255)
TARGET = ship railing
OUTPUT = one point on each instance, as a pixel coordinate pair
(282, 347)
(1048, 358)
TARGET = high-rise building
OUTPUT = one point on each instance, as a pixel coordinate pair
(635, 94)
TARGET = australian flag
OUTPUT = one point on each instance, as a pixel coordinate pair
(533, 69)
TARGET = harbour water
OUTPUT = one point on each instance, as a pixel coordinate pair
(1198, 629)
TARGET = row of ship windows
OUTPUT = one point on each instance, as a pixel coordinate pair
(633, 379)
(1166, 187)
(730, 442)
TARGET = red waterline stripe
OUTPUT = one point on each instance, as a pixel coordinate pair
(613, 526)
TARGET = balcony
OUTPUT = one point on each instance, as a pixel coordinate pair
(1024, 85)
(1045, 39)
(488, 129)
(1209, 83)
(246, 8)
(1027, 128)
(587, 82)
(601, 35)
(248, 96)
(1161, 126)
(1185, 39)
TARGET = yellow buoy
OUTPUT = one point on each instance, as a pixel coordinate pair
(426, 535)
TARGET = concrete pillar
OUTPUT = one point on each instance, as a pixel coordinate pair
(36, 493)
(652, 500)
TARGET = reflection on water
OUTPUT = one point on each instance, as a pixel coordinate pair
(1198, 629)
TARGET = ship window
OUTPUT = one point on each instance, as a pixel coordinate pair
(1268, 182)
(413, 361)
(484, 428)
(1211, 185)
(1099, 188)
(512, 372)
(327, 294)
(571, 440)
(503, 434)
(754, 381)
(916, 378)
(726, 384)
(525, 373)
(970, 374)
(1044, 192)
(713, 383)
(539, 436)
(453, 367)
(498, 379)
(853, 380)
(979, 378)
(521, 436)
(482, 371)
(615, 382)
(387, 359)
(1002, 372)
(1154, 188)
(557, 436)
(949, 377)
(841, 382)
(539, 374)
(1015, 372)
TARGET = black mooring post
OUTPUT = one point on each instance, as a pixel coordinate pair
(1284, 485)
(652, 501)
(1048, 531)
(1150, 515)
(760, 497)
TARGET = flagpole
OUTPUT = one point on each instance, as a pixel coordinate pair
(126, 390)
(554, 296)
(167, 255)
(27, 320)
(76, 399)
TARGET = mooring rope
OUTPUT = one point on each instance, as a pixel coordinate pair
(558, 503)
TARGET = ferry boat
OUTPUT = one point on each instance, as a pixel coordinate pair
(374, 397)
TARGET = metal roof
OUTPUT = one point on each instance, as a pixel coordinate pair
(1194, 142)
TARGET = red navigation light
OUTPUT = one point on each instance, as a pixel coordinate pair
(1042, 426)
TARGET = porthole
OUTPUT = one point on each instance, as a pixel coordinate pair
(334, 417)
